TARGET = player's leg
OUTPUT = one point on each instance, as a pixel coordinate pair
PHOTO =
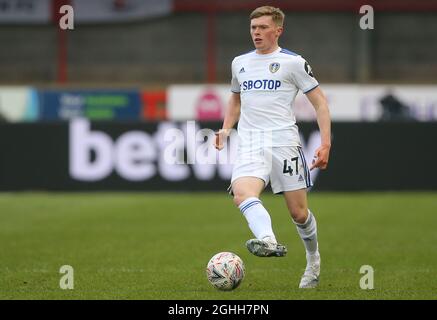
(246, 191)
(306, 226)
(290, 176)
(303, 218)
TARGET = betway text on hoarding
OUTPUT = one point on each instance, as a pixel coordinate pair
(178, 156)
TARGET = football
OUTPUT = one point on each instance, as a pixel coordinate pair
(225, 271)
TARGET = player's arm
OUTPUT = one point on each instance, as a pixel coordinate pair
(232, 115)
(320, 104)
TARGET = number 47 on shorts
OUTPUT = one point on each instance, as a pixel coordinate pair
(288, 168)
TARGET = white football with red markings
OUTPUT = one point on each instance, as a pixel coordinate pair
(225, 271)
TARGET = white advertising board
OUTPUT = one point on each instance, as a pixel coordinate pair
(346, 102)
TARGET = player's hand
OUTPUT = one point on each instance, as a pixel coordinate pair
(321, 158)
(220, 137)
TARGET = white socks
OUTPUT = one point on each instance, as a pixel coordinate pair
(258, 218)
(308, 233)
(261, 225)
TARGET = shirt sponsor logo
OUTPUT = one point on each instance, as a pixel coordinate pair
(264, 84)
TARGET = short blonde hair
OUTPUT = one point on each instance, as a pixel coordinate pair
(277, 15)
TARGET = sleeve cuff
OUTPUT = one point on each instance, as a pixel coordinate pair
(311, 89)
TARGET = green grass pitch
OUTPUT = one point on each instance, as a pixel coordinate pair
(157, 245)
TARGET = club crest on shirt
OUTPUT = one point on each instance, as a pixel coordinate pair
(274, 67)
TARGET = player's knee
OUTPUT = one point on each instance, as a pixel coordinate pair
(299, 213)
(240, 197)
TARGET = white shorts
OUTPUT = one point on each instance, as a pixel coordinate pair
(284, 167)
